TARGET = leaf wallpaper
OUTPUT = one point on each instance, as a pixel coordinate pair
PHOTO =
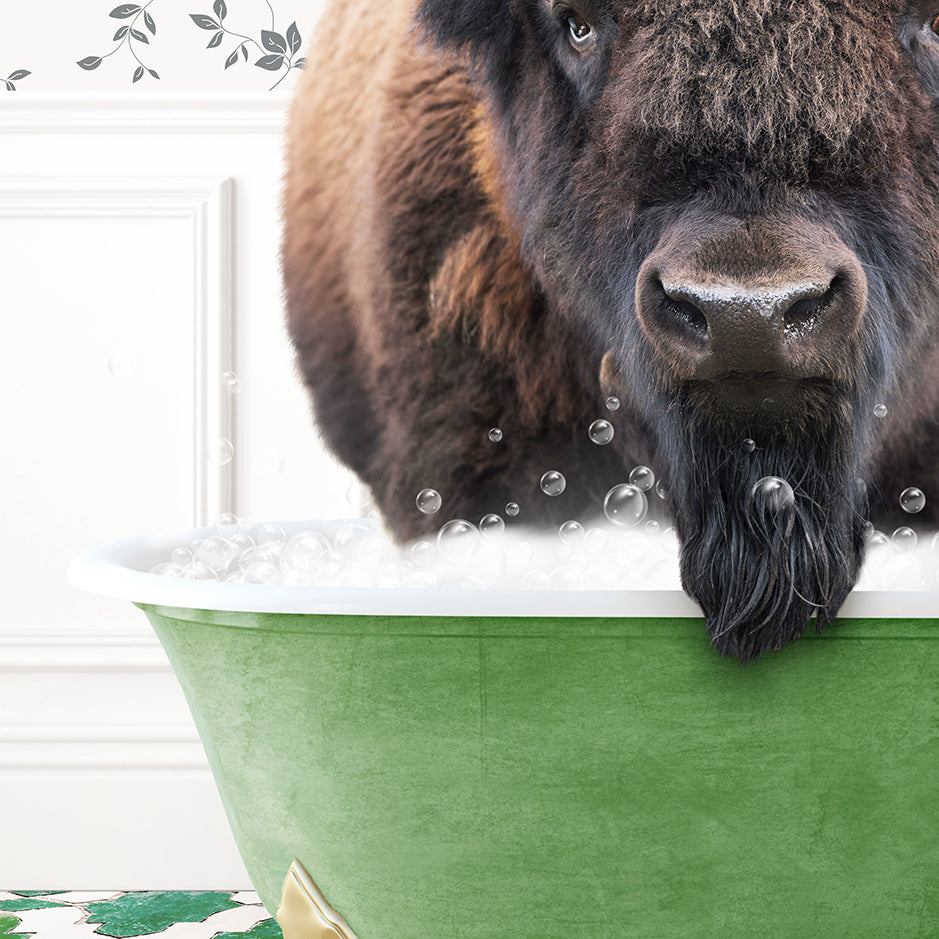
(159, 45)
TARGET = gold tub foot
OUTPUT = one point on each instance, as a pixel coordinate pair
(304, 913)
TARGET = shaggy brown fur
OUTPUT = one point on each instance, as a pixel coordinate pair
(472, 200)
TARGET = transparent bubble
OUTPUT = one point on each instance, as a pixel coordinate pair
(220, 451)
(216, 553)
(495, 434)
(168, 569)
(231, 382)
(181, 556)
(536, 580)
(270, 533)
(520, 554)
(491, 525)
(596, 540)
(904, 539)
(429, 501)
(553, 483)
(625, 505)
(566, 578)
(423, 553)
(652, 526)
(487, 564)
(420, 580)
(457, 540)
(571, 533)
(304, 551)
(912, 500)
(769, 403)
(772, 494)
(880, 410)
(642, 478)
(660, 490)
(876, 538)
(511, 509)
(197, 571)
(226, 520)
(748, 446)
(600, 432)
(612, 403)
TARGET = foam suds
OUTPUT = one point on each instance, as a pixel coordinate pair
(462, 555)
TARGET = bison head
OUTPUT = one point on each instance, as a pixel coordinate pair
(738, 203)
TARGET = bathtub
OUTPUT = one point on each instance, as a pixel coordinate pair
(433, 764)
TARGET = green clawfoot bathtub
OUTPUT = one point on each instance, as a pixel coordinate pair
(481, 764)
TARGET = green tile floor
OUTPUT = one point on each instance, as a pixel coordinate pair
(169, 914)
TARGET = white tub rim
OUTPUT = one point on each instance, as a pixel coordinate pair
(120, 569)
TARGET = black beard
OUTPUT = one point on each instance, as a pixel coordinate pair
(760, 572)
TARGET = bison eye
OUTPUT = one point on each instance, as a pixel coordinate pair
(934, 26)
(580, 30)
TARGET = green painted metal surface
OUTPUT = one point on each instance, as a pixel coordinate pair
(478, 777)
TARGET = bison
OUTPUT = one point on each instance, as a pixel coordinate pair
(724, 212)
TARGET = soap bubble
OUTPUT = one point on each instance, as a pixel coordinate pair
(423, 553)
(600, 432)
(612, 403)
(642, 478)
(215, 553)
(270, 533)
(168, 569)
(220, 451)
(520, 554)
(652, 526)
(181, 556)
(495, 434)
(571, 533)
(904, 539)
(596, 540)
(491, 525)
(625, 505)
(457, 539)
(880, 410)
(748, 446)
(876, 538)
(566, 578)
(231, 382)
(304, 551)
(198, 571)
(226, 520)
(429, 501)
(660, 490)
(553, 483)
(773, 494)
(511, 509)
(536, 580)
(912, 500)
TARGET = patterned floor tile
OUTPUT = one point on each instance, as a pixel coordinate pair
(179, 914)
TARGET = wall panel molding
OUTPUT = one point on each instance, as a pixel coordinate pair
(143, 112)
(206, 204)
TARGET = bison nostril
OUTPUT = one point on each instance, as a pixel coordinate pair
(679, 312)
(689, 315)
(806, 310)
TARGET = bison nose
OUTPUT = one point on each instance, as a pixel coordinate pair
(795, 317)
(743, 328)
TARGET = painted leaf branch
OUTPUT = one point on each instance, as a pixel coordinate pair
(125, 36)
(278, 49)
(14, 76)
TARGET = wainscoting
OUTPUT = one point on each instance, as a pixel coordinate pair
(139, 263)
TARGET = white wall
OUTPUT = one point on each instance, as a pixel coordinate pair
(139, 231)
